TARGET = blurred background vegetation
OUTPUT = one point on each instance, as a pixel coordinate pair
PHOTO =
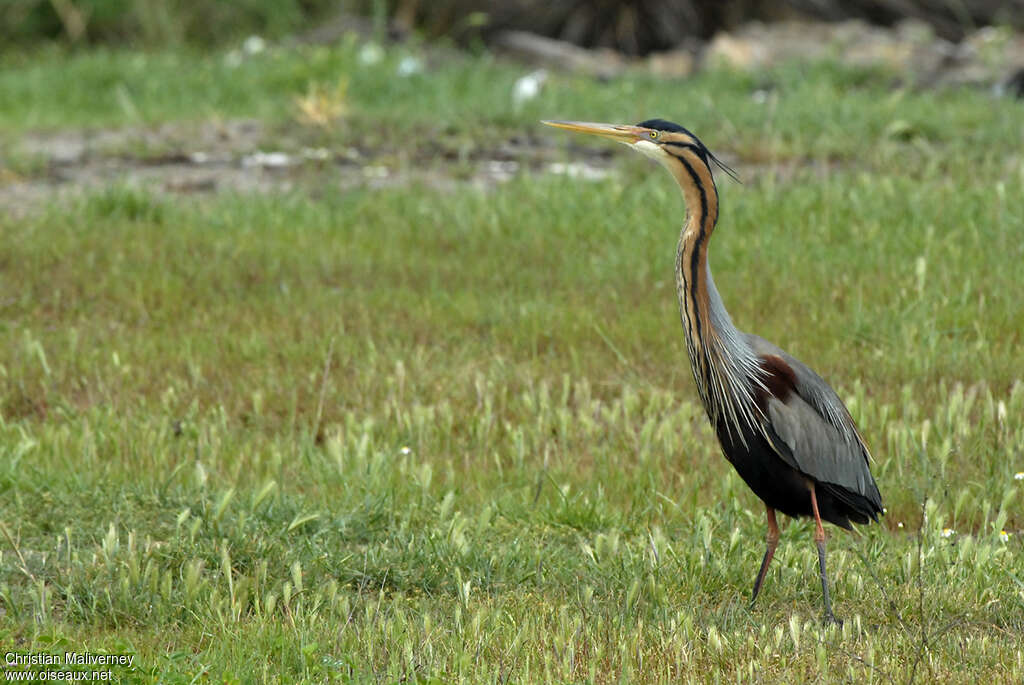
(635, 27)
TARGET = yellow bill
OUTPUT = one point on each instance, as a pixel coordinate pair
(623, 133)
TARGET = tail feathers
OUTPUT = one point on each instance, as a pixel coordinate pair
(852, 506)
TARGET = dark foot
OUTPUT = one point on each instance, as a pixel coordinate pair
(830, 619)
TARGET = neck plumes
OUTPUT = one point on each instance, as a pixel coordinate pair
(725, 369)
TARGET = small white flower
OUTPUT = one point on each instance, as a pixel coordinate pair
(528, 87)
(1004, 536)
(409, 66)
(947, 532)
(405, 450)
(1019, 475)
(371, 53)
(900, 524)
(254, 45)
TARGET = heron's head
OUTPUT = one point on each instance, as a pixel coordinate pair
(658, 139)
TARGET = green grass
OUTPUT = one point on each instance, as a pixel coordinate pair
(385, 435)
(460, 103)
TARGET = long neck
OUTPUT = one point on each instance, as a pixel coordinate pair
(692, 272)
(724, 367)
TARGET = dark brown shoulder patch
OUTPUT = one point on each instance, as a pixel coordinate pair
(779, 377)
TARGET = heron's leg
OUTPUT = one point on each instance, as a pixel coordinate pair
(819, 539)
(772, 540)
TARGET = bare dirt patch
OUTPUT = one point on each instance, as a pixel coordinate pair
(244, 156)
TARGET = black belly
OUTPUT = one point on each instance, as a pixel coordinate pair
(779, 485)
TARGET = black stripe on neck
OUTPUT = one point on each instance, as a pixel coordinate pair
(701, 236)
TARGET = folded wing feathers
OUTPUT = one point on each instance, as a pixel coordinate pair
(818, 430)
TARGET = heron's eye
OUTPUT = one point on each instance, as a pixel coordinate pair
(654, 134)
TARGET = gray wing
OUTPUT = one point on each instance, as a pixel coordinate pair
(819, 432)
